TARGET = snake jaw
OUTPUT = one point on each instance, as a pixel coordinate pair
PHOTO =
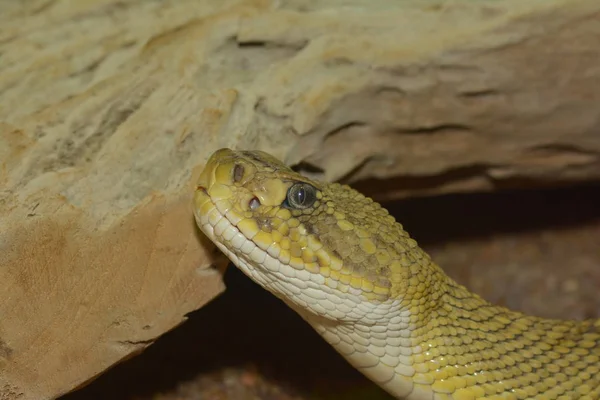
(244, 210)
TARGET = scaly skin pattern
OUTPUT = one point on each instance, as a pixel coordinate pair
(352, 272)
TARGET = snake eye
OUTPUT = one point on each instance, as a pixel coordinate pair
(301, 195)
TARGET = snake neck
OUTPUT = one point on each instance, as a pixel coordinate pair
(462, 347)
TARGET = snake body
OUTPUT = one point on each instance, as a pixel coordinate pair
(352, 272)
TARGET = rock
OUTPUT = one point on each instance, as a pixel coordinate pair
(109, 108)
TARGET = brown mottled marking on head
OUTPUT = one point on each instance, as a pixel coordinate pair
(311, 228)
(337, 254)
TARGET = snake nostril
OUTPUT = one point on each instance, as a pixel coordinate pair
(238, 172)
(254, 203)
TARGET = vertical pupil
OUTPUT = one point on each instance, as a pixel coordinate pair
(301, 195)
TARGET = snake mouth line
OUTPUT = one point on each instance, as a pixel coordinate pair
(272, 270)
(300, 288)
(260, 265)
(285, 270)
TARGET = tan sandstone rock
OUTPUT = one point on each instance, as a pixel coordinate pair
(108, 108)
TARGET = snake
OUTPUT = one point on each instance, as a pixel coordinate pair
(351, 271)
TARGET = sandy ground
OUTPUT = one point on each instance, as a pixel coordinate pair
(535, 251)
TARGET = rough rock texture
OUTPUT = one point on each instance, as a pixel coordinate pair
(109, 107)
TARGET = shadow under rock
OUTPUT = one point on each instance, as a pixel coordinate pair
(461, 217)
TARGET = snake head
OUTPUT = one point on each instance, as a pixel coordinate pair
(323, 248)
